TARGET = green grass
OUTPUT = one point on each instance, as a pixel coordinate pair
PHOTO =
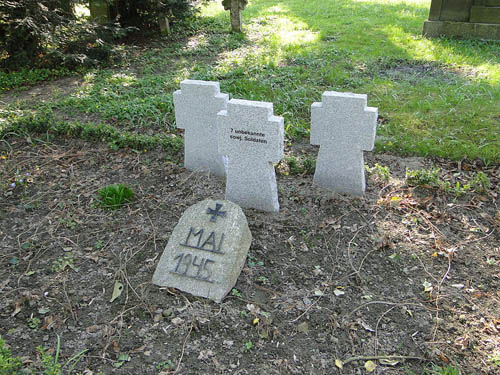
(438, 370)
(443, 370)
(495, 358)
(8, 365)
(429, 178)
(115, 196)
(28, 77)
(436, 97)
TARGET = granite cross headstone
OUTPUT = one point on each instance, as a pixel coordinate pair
(206, 251)
(252, 139)
(196, 106)
(344, 127)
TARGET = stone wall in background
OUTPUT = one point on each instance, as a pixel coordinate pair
(468, 19)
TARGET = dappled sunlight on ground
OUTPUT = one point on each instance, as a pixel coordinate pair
(122, 79)
(196, 41)
(271, 38)
(213, 9)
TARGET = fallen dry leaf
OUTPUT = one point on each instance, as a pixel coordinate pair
(461, 342)
(92, 329)
(177, 321)
(48, 322)
(370, 366)
(339, 363)
(388, 362)
(117, 291)
(17, 309)
(205, 354)
(443, 358)
(303, 327)
(139, 349)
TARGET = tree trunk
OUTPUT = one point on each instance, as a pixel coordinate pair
(235, 15)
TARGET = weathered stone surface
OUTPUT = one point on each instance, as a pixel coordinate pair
(455, 10)
(487, 3)
(206, 251)
(99, 11)
(470, 19)
(466, 30)
(252, 139)
(235, 15)
(235, 7)
(435, 11)
(485, 14)
(344, 127)
(196, 106)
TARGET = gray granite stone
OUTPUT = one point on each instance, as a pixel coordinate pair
(206, 251)
(252, 139)
(196, 106)
(344, 127)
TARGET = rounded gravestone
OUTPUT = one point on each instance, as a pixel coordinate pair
(206, 251)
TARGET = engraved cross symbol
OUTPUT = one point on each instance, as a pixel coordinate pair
(216, 212)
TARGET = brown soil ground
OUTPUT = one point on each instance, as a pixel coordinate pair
(328, 277)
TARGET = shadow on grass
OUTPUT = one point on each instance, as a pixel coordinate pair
(436, 97)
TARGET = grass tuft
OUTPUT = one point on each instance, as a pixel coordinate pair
(443, 370)
(114, 196)
(8, 365)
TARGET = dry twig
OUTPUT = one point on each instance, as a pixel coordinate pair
(377, 357)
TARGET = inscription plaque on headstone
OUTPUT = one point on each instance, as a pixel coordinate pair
(344, 127)
(196, 106)
(252, 139)
(206, 251)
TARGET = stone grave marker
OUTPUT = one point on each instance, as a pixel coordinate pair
(196, 106)
(99, 11)
(252, 139)
(343, 126)
(206, 251)
(479, 19)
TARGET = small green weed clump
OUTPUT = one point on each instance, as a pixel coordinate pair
(380, 172)
(480, 183)
(429, 178)
(114, 196)
(33, 323)
(51, 364)
(62, 263)
(165, 366)
(301, 165)
(495, 358)
(48, 365)
(8, 365)
(423, 177)
(443, 370)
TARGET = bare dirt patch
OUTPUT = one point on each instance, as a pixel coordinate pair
(414, 71)
(42, 92)
(329, 277)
